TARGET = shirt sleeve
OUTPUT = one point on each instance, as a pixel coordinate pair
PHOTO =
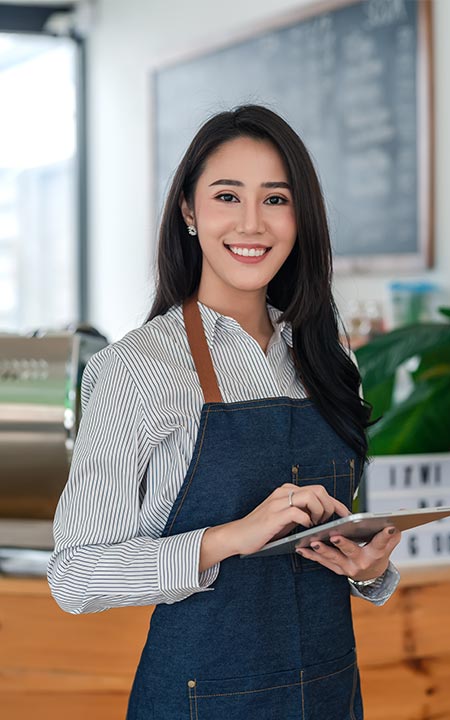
(101, 559)
(381, 591)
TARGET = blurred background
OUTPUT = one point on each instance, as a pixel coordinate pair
(98, 101)
(86, 102)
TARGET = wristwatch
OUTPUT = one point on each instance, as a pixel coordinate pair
(365, 583)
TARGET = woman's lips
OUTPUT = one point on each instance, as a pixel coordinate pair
(249, 259)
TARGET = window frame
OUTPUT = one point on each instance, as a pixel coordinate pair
(32, 19)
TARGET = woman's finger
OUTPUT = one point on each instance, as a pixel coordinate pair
(327, 502)
(331, 504)
(341, 509)
(381, 544)
(318, 503)
(351, 559)
(347, 547)
(299, 516)
(334, 563)
(305, 500)
(318, 508)
(385, 540)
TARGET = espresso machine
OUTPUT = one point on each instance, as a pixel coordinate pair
(40, 409)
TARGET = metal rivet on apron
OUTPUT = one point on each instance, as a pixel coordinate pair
(191, 683)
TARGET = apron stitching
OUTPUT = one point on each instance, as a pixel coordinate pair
(352, 481)
(188, 486)
(295, 558)
(299, 614)
(297, 562)
(303, 694)
(302, 682)
(249, 692)
(352, 699)
(325, 477)
(256, 407)
(323, 677)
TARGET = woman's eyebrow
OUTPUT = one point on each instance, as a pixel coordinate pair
(275, 184)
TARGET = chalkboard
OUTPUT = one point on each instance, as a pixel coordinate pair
(353, 79)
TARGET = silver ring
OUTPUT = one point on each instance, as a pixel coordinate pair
(290, 498)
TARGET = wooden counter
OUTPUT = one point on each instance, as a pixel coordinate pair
(55, 665)
(404, 649)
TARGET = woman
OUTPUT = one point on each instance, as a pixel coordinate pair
(228, 419)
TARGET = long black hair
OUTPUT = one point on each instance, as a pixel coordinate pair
(302, 286)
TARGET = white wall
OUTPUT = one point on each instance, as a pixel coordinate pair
(129, 36)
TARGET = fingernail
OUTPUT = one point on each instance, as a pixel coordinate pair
(336, 541)
(315, 547)
(391, 531)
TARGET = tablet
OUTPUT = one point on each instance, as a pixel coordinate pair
(360, 528)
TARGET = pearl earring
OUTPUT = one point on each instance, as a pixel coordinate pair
(191, 230)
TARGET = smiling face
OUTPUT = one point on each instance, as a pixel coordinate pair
(244, 214)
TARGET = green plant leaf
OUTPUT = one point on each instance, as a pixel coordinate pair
(418, 425)
(444, 311)
(433, 362)
(380, 396)
(379, 359)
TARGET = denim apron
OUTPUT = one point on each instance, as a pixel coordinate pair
(274, 639)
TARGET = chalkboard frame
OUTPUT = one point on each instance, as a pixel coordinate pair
(402, 263)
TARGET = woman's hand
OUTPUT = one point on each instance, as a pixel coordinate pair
(353, 560)
(273, 518)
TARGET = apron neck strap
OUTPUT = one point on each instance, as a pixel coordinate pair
(200, 351)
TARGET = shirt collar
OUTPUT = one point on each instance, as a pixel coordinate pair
(285, 327)
(212, 319)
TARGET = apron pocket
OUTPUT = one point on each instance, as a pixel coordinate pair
(332, 690)
(266, 697)
(338, 479)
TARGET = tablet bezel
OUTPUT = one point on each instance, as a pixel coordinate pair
(359, 527)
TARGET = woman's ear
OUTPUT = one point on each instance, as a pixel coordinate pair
(188, 215)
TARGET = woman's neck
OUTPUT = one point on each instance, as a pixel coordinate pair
(249, 309)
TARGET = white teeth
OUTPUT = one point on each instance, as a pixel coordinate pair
(253, 252)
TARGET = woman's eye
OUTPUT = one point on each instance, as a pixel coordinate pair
(272, 200)
(227, 197)
(276, 198)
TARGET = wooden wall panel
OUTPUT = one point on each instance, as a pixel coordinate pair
(36, 631)
(404, 649)
(66, 706)
(408, 691)
(55, 665)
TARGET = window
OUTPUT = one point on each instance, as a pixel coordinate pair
(39, 253)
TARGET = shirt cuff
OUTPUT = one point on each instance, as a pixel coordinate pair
(381, 591)
(178, 563)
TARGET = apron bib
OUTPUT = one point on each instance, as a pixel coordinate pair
(274, 639)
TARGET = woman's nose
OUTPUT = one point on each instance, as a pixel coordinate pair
(251, 218)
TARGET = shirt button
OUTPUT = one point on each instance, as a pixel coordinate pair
(191, 683)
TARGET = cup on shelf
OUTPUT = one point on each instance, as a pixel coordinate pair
(412, 301)
(363, 320)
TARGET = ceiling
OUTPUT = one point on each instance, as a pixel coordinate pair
(18, 47)
(39, 2)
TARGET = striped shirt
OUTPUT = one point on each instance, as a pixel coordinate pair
(141, 405)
